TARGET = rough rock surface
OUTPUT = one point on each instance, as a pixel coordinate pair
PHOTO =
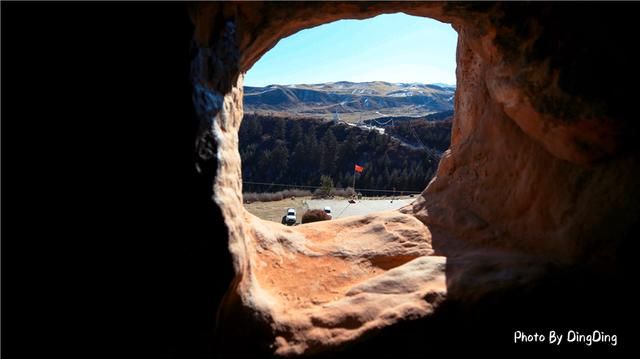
(541, 175)
(324, 284)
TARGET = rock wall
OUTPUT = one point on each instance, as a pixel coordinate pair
(520, 178)
(540, 177)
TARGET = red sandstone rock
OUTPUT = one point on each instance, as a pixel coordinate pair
(327, 283)
(512, 195)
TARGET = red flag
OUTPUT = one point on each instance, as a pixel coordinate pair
(359, 169)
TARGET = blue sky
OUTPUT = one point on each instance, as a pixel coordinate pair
(392, 48)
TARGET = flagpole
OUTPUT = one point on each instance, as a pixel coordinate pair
(354, 178)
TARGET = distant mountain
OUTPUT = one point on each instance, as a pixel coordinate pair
(353, 101)
(440, 84)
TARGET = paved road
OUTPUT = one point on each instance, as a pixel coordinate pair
(342, 208)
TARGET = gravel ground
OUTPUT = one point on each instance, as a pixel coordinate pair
(342, 208)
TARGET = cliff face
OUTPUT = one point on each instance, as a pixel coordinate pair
(540, 177)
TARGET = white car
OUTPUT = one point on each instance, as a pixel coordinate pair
(327, 210)
(290, 218)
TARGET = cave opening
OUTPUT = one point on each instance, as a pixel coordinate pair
(352, 103)
(332, 264)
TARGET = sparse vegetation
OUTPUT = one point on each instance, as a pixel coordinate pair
(251, 197)
(326, 187)
(344, 192)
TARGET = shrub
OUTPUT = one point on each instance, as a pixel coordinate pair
(314, 215)
(345, 192)
(295, 193)
(275, 196)
(269, 197)
(250, 197)
(319, 193)
(326, 186)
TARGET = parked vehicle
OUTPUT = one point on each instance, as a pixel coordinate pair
(327, 210)
(290, 218)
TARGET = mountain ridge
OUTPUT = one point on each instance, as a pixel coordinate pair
(352, 101)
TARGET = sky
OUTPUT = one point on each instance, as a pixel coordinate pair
(392, 48)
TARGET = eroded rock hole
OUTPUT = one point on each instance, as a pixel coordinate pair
(355, 109)
(305, 144)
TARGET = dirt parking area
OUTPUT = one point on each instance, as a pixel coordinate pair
(342, 208)
(273, 211)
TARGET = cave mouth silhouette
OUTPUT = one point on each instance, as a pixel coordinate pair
(571, 151)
